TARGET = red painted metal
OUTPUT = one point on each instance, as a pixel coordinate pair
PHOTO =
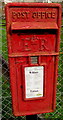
(33, 25)
(33, 29)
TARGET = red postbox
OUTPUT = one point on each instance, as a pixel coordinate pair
(33, 35)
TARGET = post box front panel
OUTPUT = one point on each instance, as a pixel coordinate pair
(33, 31)
(33, 42)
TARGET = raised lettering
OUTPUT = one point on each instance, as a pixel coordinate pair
(49, 15)
(27, 44)
(20, 15)
(43, 44)
(34, 15)
(43, 16)
(27, 14)
(14, 15)
(53, 15)
(39, 15)
(23, 15)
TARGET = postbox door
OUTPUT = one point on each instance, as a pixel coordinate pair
(34, 103)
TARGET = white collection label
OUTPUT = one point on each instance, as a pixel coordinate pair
(34, 81)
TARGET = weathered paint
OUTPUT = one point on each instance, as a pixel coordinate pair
(33, 30)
